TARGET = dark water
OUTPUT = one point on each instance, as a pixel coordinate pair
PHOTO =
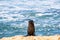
(14, 17)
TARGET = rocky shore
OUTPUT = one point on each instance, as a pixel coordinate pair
(56, 37)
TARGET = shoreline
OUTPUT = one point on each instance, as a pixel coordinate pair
(55, 37)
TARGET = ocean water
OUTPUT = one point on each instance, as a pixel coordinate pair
(15, 14)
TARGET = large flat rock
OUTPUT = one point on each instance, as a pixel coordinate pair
(56, 37)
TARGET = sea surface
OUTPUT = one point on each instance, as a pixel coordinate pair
(15, 14)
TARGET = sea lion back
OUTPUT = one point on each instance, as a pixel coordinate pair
(31, 28)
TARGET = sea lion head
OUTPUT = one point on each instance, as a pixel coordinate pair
(31, 23)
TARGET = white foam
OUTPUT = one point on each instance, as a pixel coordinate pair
(39, 14)
(31, 4)
(39, 6)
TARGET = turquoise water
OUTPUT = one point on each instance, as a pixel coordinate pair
(14, 17)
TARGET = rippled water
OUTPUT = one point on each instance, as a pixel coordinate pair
(14, 17)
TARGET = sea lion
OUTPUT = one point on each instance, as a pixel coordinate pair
(31, 28)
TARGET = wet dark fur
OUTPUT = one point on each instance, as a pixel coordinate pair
(31, 28)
